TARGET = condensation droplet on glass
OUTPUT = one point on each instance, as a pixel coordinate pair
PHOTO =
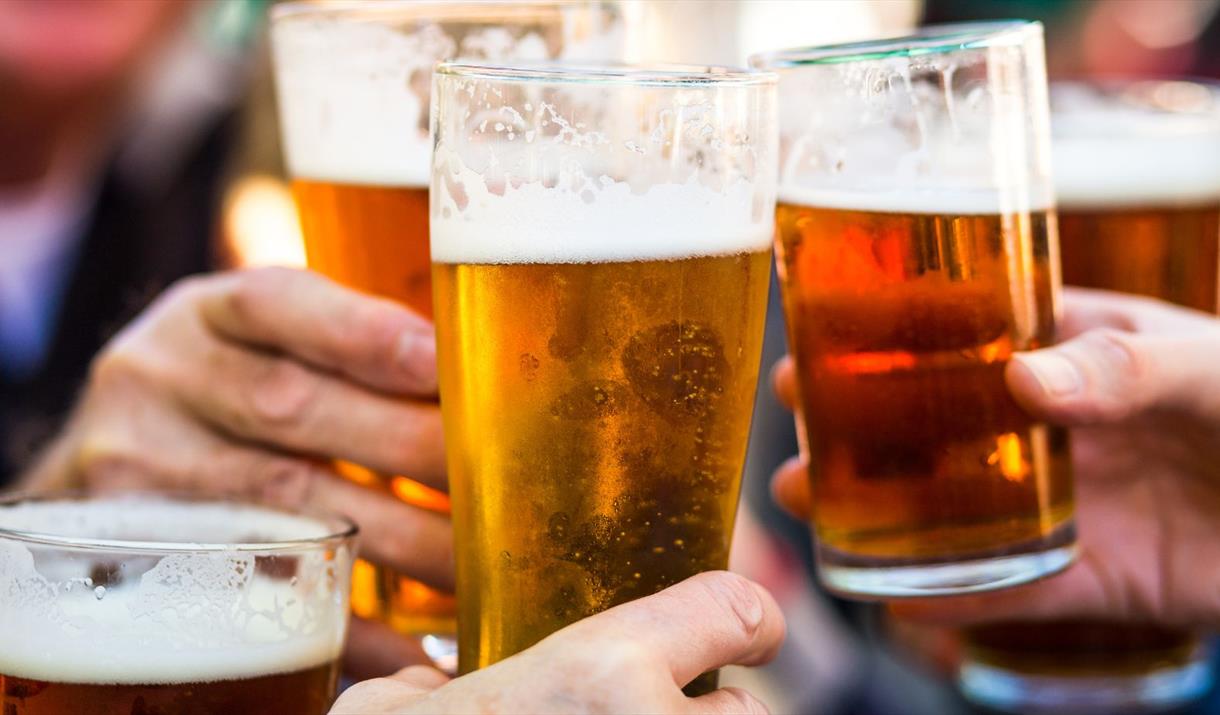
(100, 592)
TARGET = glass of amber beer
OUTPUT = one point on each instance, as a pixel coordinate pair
(1137, 177)
(118, 604)
(917, 253)
(353, 81)
(601, 244)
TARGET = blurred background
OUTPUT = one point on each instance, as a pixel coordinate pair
(140, 144)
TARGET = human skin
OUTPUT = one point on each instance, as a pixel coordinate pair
(1138, 383)
(248, 384)
(633, 658)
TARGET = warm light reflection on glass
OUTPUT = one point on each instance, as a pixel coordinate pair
(1010, 457)
(260, 223)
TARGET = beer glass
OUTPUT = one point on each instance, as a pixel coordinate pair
(125, 604)
(1137, 174)
(601, 257)
(917, 253)
(353, 81)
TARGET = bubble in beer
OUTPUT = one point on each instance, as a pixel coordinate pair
(590, 400)
(678, 369)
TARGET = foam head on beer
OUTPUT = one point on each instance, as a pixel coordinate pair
(353, 81)
(536, 223)
(563, 179)
(1148, 144)
(130, 590)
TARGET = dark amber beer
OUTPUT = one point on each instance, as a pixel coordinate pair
(601, 266)
(353, 86)
(1137, 175)
(120, 605)
(917, 254)
(901, 322)
(1167, 251)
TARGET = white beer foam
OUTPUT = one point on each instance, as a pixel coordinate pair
(188, 617)
(953, 201)
(603, 222)
(348, 110)
(1114, 159)
(100, 642)
(353, 92)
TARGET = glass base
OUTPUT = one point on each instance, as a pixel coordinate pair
(853, 577)
(443, 650)
(1008, 691)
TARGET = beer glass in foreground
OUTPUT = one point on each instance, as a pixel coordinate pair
(1137, 173)
(115, 605)
(354, 82)
(917, 254)
(601, 252)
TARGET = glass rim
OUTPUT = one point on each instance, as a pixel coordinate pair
(339, 528)
(608, 73)
(426, 9)
(927, 40)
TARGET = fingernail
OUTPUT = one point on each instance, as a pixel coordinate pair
(417, 356)
(1056, 374)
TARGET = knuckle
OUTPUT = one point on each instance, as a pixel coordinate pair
(287, 482)
(736, 599)
(744, 703)
(368, 321)
(116, 366)
(282, 394)
(416, 440)
(184, 291)
(102, 458)
(618, 656)
(1117, 351)
(255, 288)
(1114, 367)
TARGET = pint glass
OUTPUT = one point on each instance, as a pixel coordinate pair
(917, 253)
(353, 82)
(601, 257)
(1137, 174)
(117, 605)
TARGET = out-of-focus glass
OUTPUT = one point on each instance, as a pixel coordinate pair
(1137, 174)
(353, 81)
(148, 604)
(917, 253)
(601, 256)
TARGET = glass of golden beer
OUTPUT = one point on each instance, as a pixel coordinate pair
(151, 604)
(601, 256)
(1137, 176)
(353, 81)
(917, 253)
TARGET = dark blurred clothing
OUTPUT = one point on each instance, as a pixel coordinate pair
(140, 235)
